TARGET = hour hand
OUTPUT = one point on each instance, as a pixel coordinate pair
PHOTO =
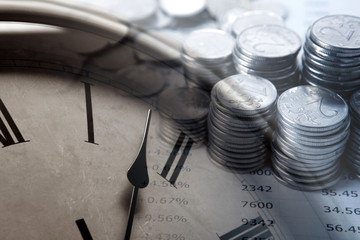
(138, 176)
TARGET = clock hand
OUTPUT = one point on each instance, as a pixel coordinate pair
(138, 176)
(85, 233)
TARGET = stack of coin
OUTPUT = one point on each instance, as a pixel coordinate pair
(332, 54)
(311, 134)
(353, 147)
(241, 110)
(183, 110)
(207, 57)
(269, 51)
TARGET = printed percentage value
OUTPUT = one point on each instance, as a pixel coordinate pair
(165, 218)
(167, 200)
(170, 236)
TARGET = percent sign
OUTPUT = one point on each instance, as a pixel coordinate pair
(180, 218)
(182, 185)
(182, 201)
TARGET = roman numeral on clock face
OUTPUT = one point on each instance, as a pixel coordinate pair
(10, 133)
(89, 113)
(180, 164)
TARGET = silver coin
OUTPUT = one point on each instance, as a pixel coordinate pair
(313, 150)
(226, 19)
(226, 147)
(245, 92)
(312, 107)
(237, 167)
(208, 45)
(182, 8)
(252, 123)
(253, 18)
(294, 163)
(306, 173)
(337, 32)
(238, 164)
(243, 158)
(269, 41)
(217, 8)
(313, 141)
(134, 11)
(306, 157)
(306, 187)
(306, 180)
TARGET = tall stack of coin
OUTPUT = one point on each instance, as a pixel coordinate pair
(269, 51)
(241, 109)
(312, 131)
(207, 57)
(353, 147)
(183, 110)
(332, 54)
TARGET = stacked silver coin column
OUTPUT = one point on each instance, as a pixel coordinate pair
(312, 131)
(207, 57)
(353, 147)
(332, 54)
(269, 51)
(241, 109)
(183, 110)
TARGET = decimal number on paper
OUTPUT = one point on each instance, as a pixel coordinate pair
(340, 228)
(344, 193)
(345, 211)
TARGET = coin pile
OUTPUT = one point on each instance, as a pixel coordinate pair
(183, 110)
(332, 54)
(207, 57)
(353, 147)
(269, 51)
(241, 109)
(311, 134)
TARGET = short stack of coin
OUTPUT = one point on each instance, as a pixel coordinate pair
(353, 147)
(311, 134)
(239, 121)
(207, 57)
(332, 54)
(183, 110)
(269, 51)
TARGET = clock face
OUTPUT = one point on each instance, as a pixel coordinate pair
(73, 110)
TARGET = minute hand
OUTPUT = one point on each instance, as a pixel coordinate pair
(138, 176)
